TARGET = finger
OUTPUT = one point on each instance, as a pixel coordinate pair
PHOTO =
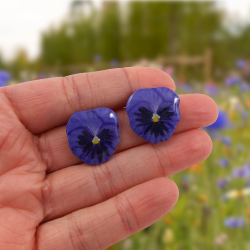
(77, 187)
(48, 103)
(102, 225)
(196, 111)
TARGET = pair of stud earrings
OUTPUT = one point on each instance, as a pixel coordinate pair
(93, 135)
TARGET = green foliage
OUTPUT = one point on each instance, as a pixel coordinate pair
(109, 32)
(145, 30)
(2, 64)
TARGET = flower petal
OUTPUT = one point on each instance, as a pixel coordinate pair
(83, 126)
(161, 102)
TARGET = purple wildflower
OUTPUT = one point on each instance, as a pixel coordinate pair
(114, 63)
(241, 172)
(220, 123)
(211, 89)
(41, 76)
(186, 87)
(222, 183)
(240, 63)
(97, 58)
(2, 83)
(223, 162)
(4, 78)
(244, 87)
(233, 80)
(226, 141)
(233, 222)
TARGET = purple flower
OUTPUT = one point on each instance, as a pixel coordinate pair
(244, 87)
(247, 167)
(211, 89)
(97, 58)
(226, 140)
(223, 162)
(114, 63)
(220, 123)
(233, 222)
(93, 135)
(222, 183)
(4, 78)
(2, 83)
(186, 87)
(240, 63)
(243, 172)
(41, 76)
(154, 113)
(233, 80)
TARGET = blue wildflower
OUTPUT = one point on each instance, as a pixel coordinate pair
(226, 140)
(244, 87)
(41, 76)
(4, 78)
(233, 222)
(240, 63)
(220, 123)
(222, 183)
(186, 87)
(114, 63)
(211, 89)
(97, 58)
(223, 162)
(241, 172)
(233, 80)
(2, 83)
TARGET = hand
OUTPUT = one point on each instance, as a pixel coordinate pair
(49, 199)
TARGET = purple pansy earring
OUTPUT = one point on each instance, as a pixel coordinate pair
(154, 113)
(93, 135)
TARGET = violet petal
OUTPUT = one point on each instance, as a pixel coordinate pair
(154, 113)
(93, 135)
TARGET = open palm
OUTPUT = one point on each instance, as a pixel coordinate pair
(49, 199)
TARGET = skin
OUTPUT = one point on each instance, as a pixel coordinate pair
(50, 200)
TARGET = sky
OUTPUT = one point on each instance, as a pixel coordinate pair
(22, 21)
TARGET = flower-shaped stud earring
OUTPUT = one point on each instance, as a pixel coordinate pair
(154, 113)
(93, 135)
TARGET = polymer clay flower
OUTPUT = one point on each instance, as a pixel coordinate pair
(93, 135)
(154, 113)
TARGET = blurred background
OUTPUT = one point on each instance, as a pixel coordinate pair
(204, 46)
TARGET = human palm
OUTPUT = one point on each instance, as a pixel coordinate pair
(49, 199)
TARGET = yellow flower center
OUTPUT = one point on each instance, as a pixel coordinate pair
(95, 140)
(155, 118)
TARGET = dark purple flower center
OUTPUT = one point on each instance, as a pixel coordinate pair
(153, 122)
(95, 145)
